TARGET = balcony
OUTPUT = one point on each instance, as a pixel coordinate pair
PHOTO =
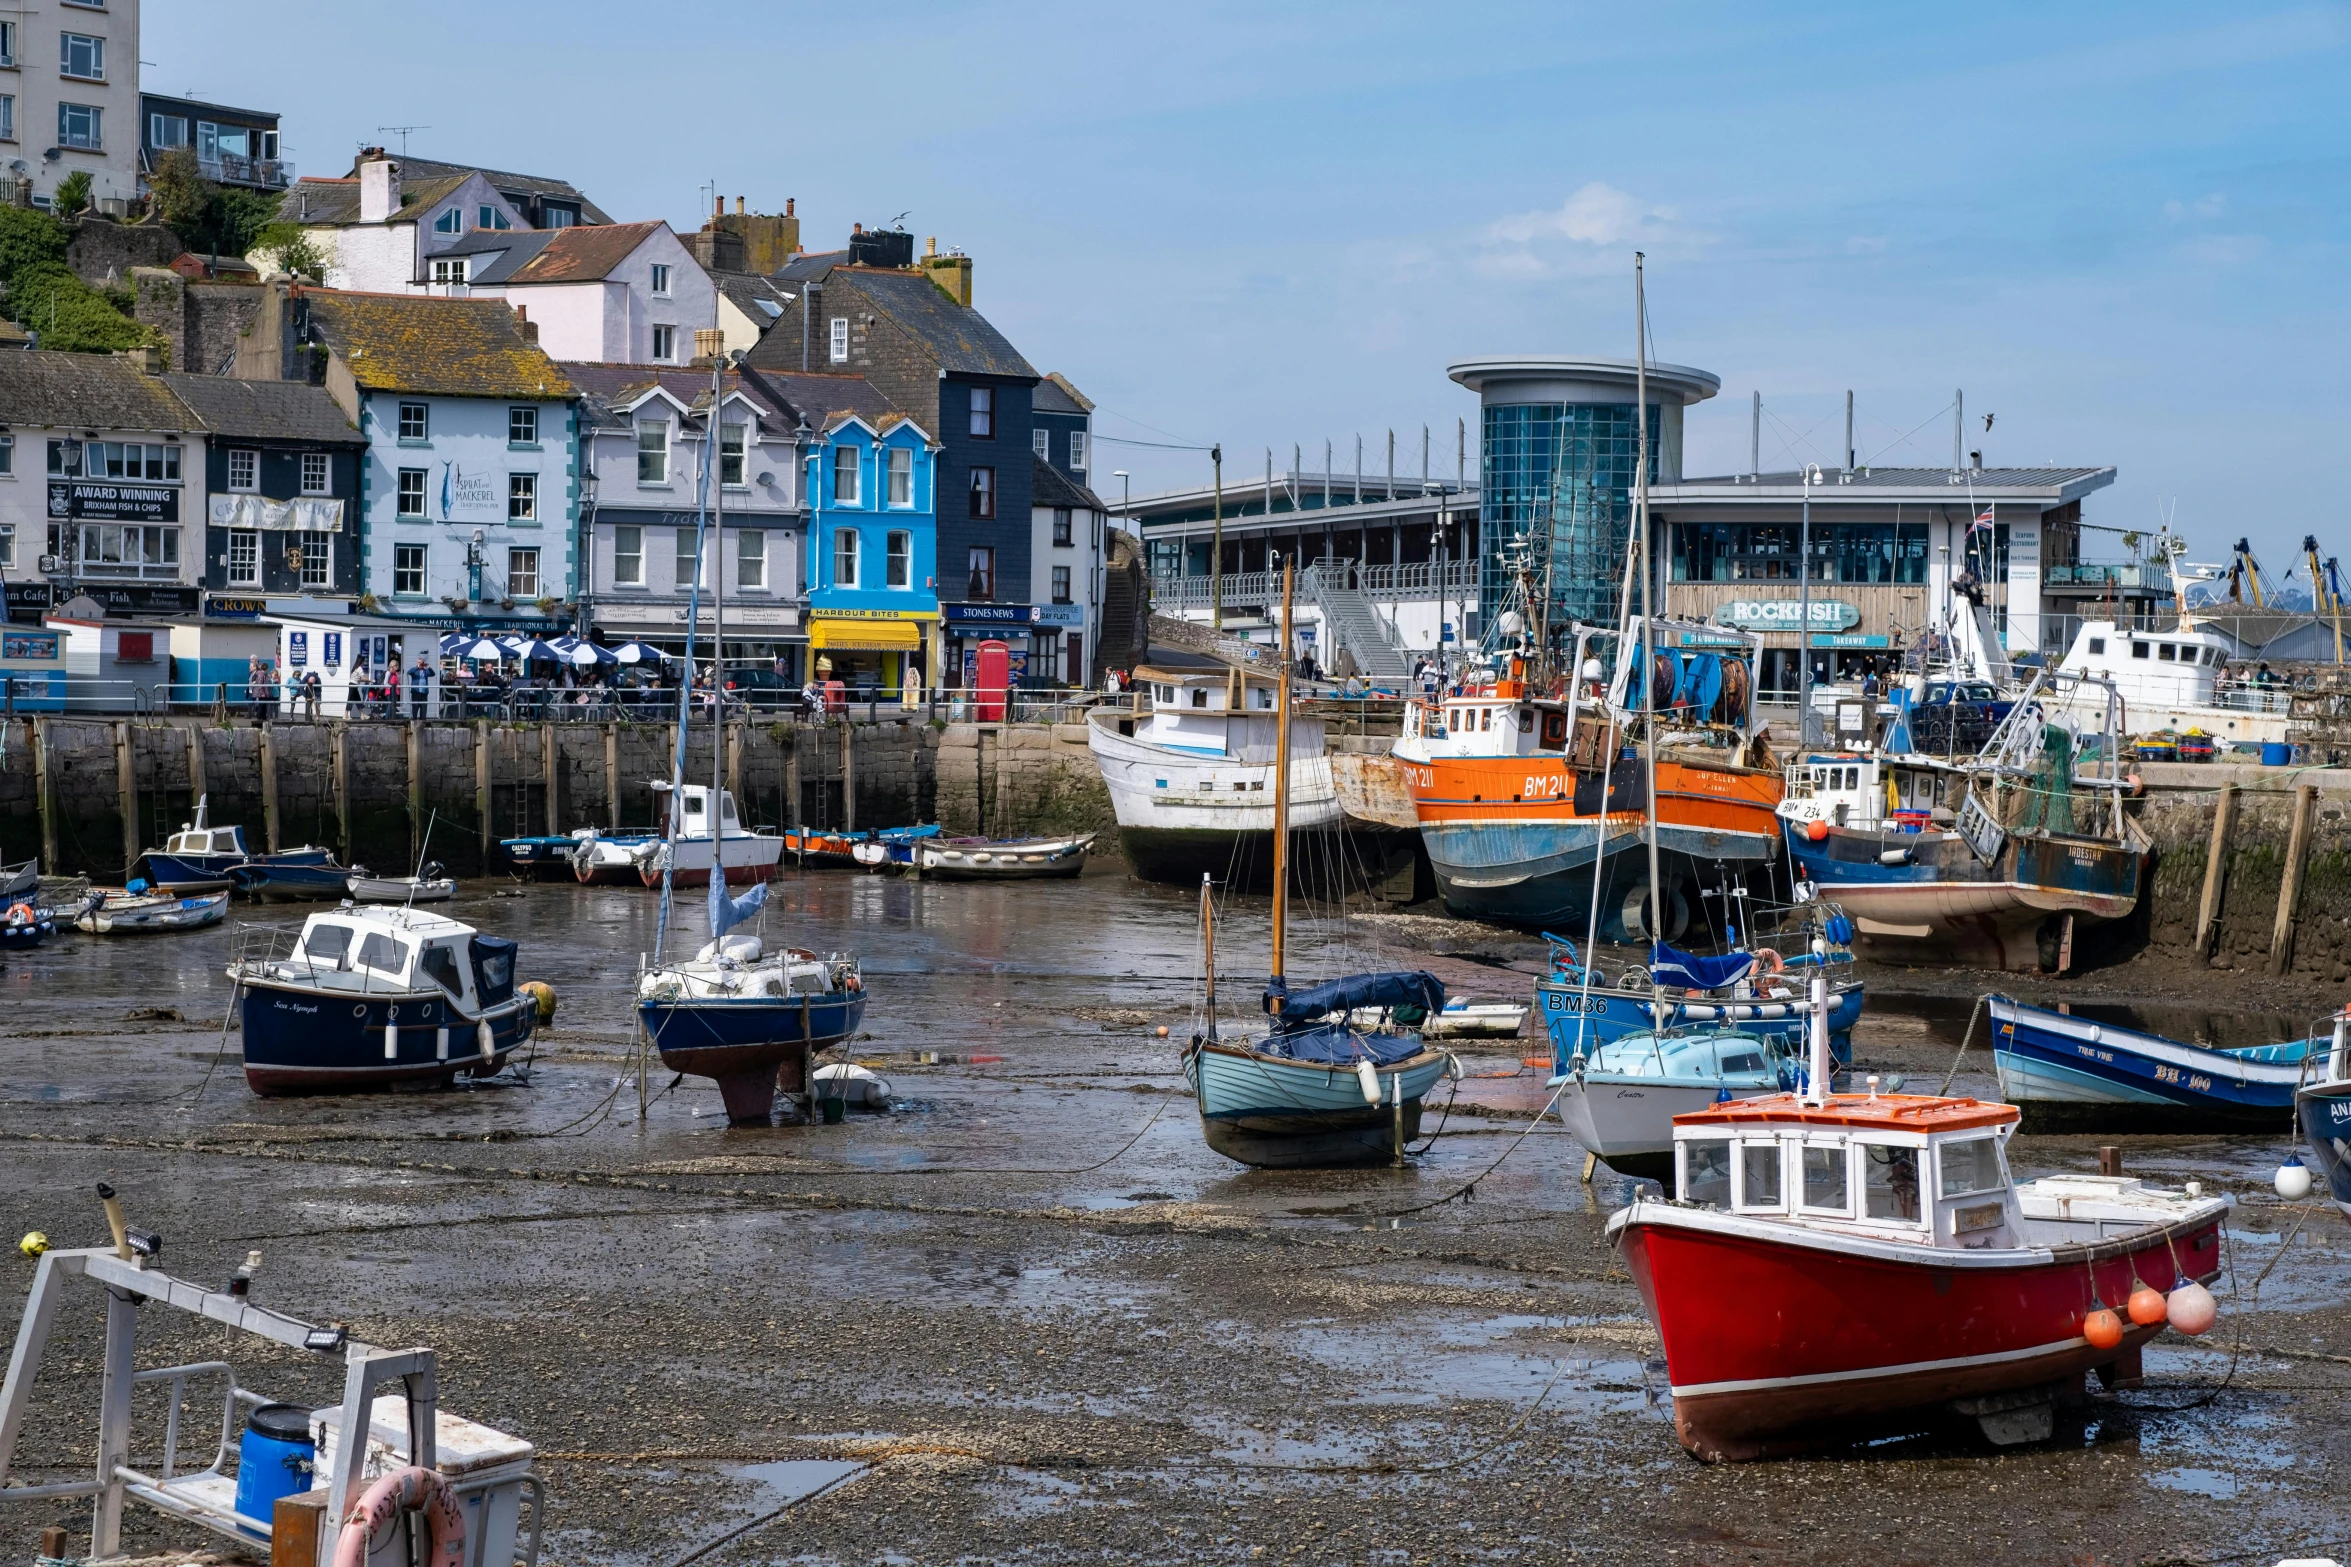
(2126, 574)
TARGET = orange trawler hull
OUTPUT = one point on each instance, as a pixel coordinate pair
(1514, 839)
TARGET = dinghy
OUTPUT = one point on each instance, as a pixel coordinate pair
(1001, 859)
(122, 912)
(2078, 1074)
(429, 888)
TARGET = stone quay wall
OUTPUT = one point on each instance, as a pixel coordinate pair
(88, 795)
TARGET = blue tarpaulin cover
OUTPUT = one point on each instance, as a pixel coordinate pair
(1342, 1046)
(1671, 966)
(1301, 1009)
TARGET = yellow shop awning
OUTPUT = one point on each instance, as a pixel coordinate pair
(865, 636)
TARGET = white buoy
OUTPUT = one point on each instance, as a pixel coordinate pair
(1370, 1081)
(2292, 1179)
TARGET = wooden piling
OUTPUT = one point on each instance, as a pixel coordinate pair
(2216, 871)
(339, 761)
(791, 777)
(415, 789)
(553, 759)
(2281, 935)
(481, 786)
(735, 768)
(269, 787)
(195, 738)
(848, 782)
(612, 774)
(126, 795)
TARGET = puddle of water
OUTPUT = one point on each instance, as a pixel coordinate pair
(794, 1479)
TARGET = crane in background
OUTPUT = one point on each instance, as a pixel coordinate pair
(2326, 589)
(2245, 576)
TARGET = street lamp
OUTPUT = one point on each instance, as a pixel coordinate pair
(473, 570)
(1804, 615)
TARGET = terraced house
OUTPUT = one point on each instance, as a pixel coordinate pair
(469, 490)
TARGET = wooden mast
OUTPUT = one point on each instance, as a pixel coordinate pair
(1281, 779)
(1208, 945)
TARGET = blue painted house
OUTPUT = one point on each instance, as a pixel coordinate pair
(873, 546)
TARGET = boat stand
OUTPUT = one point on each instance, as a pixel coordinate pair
(207, 1496)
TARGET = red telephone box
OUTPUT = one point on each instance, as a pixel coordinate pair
(991, 679)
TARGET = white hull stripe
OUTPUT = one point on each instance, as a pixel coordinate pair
(1871, 1373)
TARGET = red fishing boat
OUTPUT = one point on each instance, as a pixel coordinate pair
(1850, 1264)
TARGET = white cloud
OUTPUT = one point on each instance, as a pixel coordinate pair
(2209, 206)
(1595, 225)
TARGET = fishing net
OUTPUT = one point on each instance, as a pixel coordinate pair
(2048, 790)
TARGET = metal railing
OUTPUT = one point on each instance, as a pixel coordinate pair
(1255, 589)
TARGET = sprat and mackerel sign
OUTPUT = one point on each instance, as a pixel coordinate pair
(1785, 614)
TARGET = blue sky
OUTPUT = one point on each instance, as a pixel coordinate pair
(2119, 229)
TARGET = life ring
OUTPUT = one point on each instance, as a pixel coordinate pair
(405, 1490)
(21, 914)
(853, 981)
(1770, 962)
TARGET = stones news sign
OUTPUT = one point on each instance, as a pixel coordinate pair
(1785, 614)
(95, 500)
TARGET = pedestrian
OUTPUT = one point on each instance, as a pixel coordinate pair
(420, 684)
(311, 691)
(391, 702)
(256, 688)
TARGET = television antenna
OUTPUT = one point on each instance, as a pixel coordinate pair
(402, 132)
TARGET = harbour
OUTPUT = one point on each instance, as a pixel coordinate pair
(994, 1298)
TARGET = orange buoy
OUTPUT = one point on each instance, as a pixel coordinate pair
(1817, 831)
(2146, 1306)
(1163, 1030)
(2192, 1309)
(2102, 1328)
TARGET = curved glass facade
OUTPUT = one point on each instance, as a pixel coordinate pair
(1559, 477)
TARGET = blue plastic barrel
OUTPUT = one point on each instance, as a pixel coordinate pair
(274, 1458)
(2276, 753)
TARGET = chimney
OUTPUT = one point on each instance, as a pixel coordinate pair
(856, 229)
(145, 358)
(1975, 460)
(379, 189)
(709, 344)
(718, 206)
(952, 272)
(524, 323)
(738, 206)
(788, 212)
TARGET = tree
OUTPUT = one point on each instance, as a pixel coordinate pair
(290, 248)
(27, 238)
(72, 196)
(70, 315)
(183, 196)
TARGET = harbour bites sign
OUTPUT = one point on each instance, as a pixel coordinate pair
(1786, 614)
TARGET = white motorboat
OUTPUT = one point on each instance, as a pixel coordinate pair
(1476, 1020)
(748, 856)
(403, 889)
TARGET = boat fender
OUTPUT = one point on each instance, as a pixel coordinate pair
(2146, 1306)
(2102, 1328)
(1817, 830)
(20, 914)
(1453, 1066)
(1894, 856)
(407, 1490)
(2191, 1309)
(485, 1040)
(1370, 1080)
(542, 993)
(1770, 962)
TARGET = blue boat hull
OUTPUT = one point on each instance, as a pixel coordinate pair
(1278, 1114)
(541, 859)
(299, 1040)
(1575, 1022)
(308, 882)
(739, 1043)
(2325, 1110)
(2074, 1073)
(184, 873)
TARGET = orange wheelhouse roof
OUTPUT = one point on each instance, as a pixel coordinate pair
(1884, 1113)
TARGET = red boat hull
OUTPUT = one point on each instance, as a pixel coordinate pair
(1776, 1347)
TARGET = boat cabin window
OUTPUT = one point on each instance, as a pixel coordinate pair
(1706, 1173)
(441, 964)
(381, 953)
(1485, 718)
(2098, 647)
(1759, 1176)
(1889, 1183)
(2167, 651)
(2139, 649)
(1971, 1165)
(1554, 732)
(1259, 697)
(328, 944)
(727, 811)
(1199, 696)
(1827, 1187)
(1526, 720)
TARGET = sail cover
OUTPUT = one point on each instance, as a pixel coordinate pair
(726, 912)
(1395, 991)
(1672, 966)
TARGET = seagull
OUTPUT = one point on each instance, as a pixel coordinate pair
(1988, 418)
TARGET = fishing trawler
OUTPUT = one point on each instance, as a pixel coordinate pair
(1191, 778)
(1999, 861)
(1320, 1087)
(202, 858)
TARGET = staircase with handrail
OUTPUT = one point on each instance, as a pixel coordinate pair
(1355, 624)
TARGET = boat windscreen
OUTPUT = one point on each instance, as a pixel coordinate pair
(441, 964)
(327, 944)
(493, 969)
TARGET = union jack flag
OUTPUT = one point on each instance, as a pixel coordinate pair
(1983, 521)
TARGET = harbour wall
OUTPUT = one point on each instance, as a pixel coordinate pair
(2278, 869)
(87, 796)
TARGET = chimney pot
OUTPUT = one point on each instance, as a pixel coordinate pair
(788, 201)
(718, 206)
(738, 206)
(856, 228)
(522, 313)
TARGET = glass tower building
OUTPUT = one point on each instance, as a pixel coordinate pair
(1560, 437)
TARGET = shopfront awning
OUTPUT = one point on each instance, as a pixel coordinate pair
(865, 636)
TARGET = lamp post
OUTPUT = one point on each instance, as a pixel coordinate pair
(1102, 555)
(1804, 614)
(1216, 548)
(473, 570)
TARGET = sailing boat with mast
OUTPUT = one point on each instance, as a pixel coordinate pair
(734, 1012)
(1319, 1088)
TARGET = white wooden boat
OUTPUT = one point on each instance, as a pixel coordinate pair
(117, 913)
(1000, 859)
(402, 889)
(1476, 1020)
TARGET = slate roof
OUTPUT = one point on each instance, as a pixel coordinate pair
(508, 250)
(1056, 488)
(958, 337)
(606, 389)
(417, 343)
(584, 254)
(265, 410)
(819, 396)
(811, 264)
(1937, 485)
(750, 294)
(324, 203)
(87, 392)
(1054, 395)
(534, 184)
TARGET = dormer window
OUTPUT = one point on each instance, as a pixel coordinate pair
(451, 221)
(489, 217)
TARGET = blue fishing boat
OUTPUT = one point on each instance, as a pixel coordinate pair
(2322, 1107)
(310, 881)
(22, 925)
(2068, 1072)
(1324, 1085)
(371, 996)
(545, 857)
(735, 1013)
(1753, 992)
(200, 857)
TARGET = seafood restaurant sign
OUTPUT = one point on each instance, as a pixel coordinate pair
(1786, 614)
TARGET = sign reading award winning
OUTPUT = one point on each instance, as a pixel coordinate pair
(1785, 614)
(100, 501)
